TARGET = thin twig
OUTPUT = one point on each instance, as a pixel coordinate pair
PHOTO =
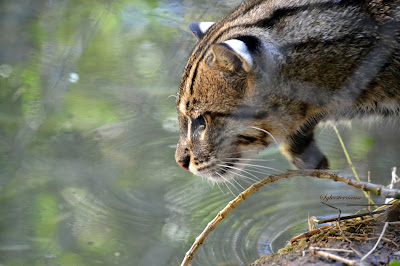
(369, 192)
(310, 233)
(389, 241)
(341, 231)
(377, 242)
(348, 158)
(332, 249)
(355, 251)
(351, 216)
(377, 189)
(395, 179)
(333, 257)
(338, 221)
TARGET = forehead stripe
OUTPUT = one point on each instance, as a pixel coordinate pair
(202, 47)
(193, 77)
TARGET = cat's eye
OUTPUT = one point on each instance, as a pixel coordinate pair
(198, 124)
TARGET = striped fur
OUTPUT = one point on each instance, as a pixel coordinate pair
(274, 69)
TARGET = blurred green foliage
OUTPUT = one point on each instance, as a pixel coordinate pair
(57, 131)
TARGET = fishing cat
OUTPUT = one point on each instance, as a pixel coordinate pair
(272, 70)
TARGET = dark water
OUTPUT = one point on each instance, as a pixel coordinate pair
(87, 135)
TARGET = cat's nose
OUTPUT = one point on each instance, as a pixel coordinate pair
(184, 163)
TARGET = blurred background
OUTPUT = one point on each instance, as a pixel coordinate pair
(88, 129)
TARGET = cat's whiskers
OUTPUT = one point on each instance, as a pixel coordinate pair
(258, 171)
(218, 186)
(234, 179)
(268, 133)
(202, 180)
(258, 166)
(223, 167)
(246, 178)
(209, 180)
(227, 181)
(238, 169)
(248, 159)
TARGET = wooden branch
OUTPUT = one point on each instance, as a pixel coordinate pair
(365, 186)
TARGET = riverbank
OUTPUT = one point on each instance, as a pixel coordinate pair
(355, 238)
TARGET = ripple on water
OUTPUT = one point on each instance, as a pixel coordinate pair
(263, 223)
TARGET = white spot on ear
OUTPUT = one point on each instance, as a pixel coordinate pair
(240, 48)
(204, 26)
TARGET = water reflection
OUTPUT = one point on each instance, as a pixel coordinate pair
(88, 131)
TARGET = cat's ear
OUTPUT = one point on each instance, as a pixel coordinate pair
(200, 28)
(232, 55)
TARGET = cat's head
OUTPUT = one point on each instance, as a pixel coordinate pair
(224, 117)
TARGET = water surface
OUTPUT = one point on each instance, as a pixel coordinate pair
(88, 130)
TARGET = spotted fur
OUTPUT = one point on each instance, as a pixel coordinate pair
(272, 70)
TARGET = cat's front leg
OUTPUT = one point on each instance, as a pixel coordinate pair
(302, 151)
